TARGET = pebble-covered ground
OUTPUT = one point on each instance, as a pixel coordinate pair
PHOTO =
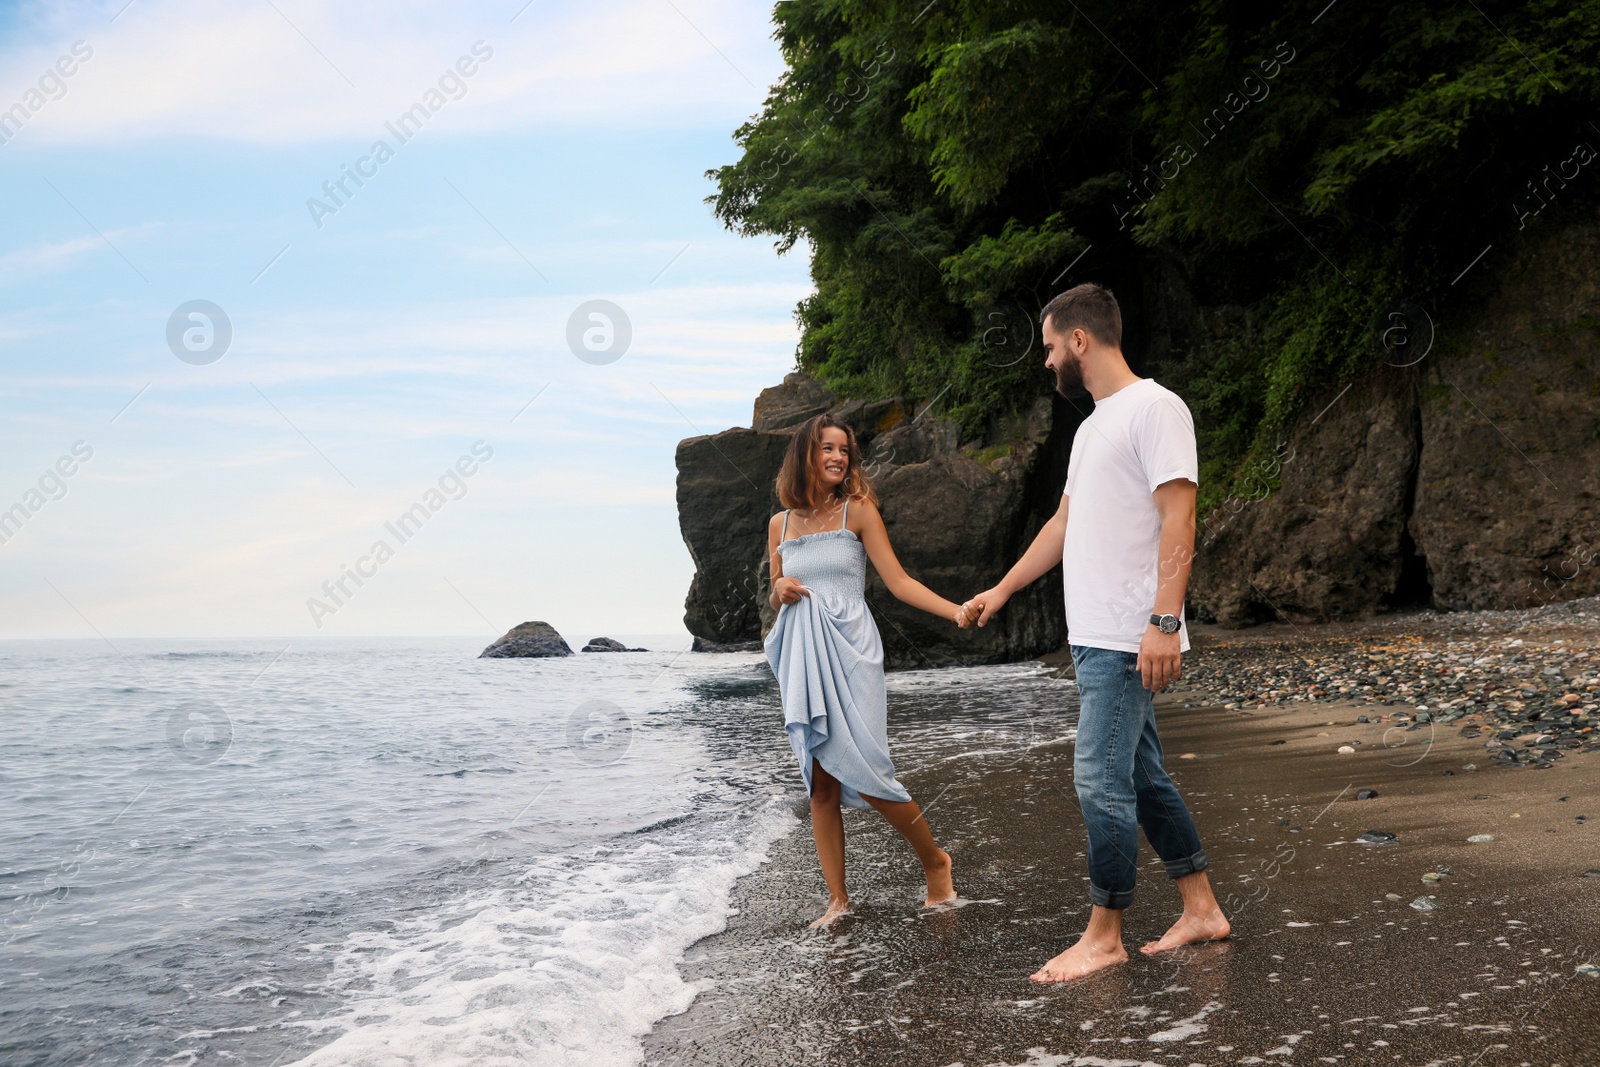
(1527, 682)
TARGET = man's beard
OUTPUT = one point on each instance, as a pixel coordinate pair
(1069, 375)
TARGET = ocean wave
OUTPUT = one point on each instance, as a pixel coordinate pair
(571, 963)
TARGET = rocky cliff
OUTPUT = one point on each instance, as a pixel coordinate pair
(1466, 480)
(957, 517)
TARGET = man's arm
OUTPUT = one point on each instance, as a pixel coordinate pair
(1042, 557)
(1160, 654)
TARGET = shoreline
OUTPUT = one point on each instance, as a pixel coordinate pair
(1329, 958)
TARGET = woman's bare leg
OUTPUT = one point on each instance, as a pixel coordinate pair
(827, 827)
(906, 817)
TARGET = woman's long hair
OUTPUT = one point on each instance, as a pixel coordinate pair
(800, 478)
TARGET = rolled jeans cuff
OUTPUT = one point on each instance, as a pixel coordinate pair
(1105, 898)
(1187, 865)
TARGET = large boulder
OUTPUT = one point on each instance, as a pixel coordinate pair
(725, 496)
(1508, 496)
(958, 518)
(530, 639)
(1329, 541)
(1469, 480)
(788, 405)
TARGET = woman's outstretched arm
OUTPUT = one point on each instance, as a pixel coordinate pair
(868, 525)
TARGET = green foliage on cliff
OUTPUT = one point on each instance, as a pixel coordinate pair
(1256, 182)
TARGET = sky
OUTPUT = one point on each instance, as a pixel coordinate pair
(242, 339)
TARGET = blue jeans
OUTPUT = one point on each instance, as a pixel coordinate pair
(1120, 781)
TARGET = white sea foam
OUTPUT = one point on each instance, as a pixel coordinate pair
(1184, 1029)
(570, 965)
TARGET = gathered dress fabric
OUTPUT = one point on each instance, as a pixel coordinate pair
(828, 657)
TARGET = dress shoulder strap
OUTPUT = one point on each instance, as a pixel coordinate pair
(785, 532)
(845, 518)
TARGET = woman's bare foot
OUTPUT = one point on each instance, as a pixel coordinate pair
(1085, 957)
(941, 889)
(1189, 930)
(837, 909)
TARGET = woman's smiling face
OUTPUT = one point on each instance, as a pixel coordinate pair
(833, 457)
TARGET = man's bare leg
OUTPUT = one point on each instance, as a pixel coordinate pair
(1099, 947)
(906, 817)
(827, 827)
(1202, 918)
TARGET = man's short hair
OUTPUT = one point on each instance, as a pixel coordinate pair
(1089, 306)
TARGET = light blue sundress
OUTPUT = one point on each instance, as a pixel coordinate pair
(828, 657)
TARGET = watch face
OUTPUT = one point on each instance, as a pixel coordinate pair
(1168, 624)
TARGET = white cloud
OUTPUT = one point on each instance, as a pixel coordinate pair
(284, 73)
(26, 264)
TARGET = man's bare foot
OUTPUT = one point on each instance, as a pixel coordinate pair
(1189, 930)
(837, 909)
(1085, 957)
(941, 889)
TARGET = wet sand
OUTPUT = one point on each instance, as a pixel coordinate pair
(1329, 962)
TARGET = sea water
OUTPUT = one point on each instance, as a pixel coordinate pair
(388, 851)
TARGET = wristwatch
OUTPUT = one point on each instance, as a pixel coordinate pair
(1167, 624)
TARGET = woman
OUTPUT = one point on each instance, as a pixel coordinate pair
(826, 651)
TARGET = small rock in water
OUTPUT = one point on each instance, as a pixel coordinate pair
(1378, 837)
(1433, 876)
(1346, 749)
(1366, 794)
(1592, 873)
(1426, 903)
(1188, 755)
(608, 644)
(1588, 970)
(1480, 839)
(1449, 774)
(1469, 766)
(1280, 741)
(1386, 896)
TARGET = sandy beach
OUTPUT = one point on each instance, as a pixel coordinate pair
(1427, 948)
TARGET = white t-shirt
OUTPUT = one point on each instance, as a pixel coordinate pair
(1137, 438)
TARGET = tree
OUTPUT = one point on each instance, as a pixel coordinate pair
(1293, 168)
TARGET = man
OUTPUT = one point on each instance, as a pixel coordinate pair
(1131, 486)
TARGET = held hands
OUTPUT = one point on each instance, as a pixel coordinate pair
(1160, 658)
(965, 615)
(982, 607)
